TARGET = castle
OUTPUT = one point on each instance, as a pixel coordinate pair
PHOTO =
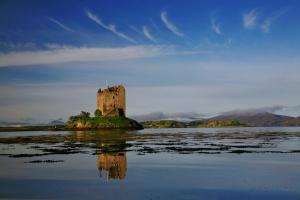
(111, 101)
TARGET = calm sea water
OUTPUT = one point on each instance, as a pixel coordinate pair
(222, 163)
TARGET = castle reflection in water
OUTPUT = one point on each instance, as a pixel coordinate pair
(111, 160)
(112, 165)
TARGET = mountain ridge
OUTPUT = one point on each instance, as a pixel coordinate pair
(264, 119)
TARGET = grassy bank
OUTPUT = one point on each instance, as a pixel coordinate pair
(100, 122)
(193, 124)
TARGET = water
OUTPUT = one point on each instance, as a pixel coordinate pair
(222, 163)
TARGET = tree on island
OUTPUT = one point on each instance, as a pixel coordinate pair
(97, 113)
(83, 116)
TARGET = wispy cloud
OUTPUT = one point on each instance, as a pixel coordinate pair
(148, 34)
(61, 55)
(60, 24)
(265, 27)
(110, 27)
(250, 19)
(169, 24)
(215, 26)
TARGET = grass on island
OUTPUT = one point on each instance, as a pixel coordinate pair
(164, 124)
(84, 121)
(193, 124)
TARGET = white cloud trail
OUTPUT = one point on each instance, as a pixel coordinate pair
(148, 35)
(169, 24)
(60, 24)
(267, 23)
(78, 54)
(250, 18)
(216, 27)
(110, 27)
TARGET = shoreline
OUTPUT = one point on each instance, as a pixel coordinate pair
(64, 128)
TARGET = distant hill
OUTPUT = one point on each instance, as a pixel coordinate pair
(230, 120)
(57, 122)
(292, 122)
(259, 119)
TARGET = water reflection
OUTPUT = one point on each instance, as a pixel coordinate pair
(111, 158)
(112, 165)
(110, 146)
(162, 164)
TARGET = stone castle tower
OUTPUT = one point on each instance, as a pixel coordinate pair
(111, 101)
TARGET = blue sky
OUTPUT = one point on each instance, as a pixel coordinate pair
(181, 56)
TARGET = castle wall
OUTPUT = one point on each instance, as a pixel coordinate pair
(112, 101)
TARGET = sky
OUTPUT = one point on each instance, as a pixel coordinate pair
(203, 57)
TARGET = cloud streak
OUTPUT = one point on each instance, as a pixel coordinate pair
(148, 35)
(266, 25)
(169, 24)
(66, 28)
(215, 26)
(250, 18)
(81, 54)
(110, 27)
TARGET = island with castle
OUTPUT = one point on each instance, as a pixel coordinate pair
(110, 112)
